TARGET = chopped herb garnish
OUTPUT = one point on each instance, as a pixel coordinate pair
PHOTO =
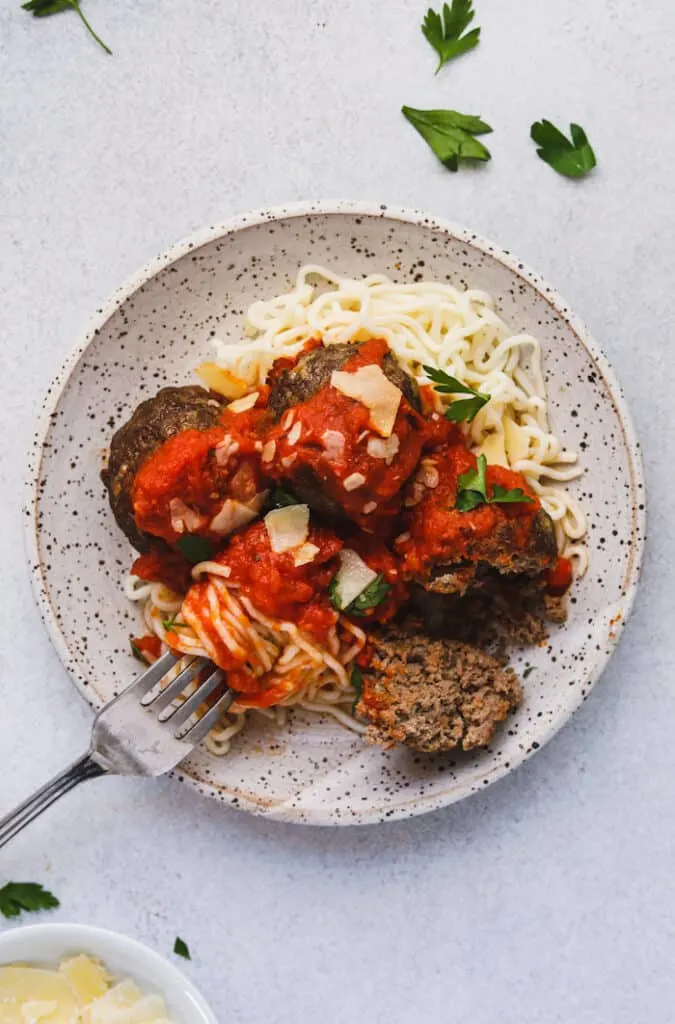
(43, 8)
(136, 651)
(573, 159)
(196, 549)
(467, 408)
(356, 682)
(527, 671)
(280, 498)
(370, 596)
(450, 134)
(180, 948)
(472, 490)
(170, 624)
(374, 594)
(444, 30)
(16, 897)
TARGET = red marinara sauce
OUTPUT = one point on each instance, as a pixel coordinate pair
(559, 578)
(181, 487)
(330, 435)
(437, 532)
(162, 565)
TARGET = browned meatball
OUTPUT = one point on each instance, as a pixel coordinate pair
(154, 422)
(434, 695)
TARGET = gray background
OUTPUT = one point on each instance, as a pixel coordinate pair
(548, 897)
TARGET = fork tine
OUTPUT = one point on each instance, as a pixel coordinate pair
(152, 675)
(200, 729)
(176, 686)
(196, 699)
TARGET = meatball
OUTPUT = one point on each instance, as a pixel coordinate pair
(434, 695)
(156, 420)
(327, 445)
(451, 551)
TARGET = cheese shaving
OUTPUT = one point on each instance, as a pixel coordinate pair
(369, 386)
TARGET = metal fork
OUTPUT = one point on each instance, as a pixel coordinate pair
(140, 732)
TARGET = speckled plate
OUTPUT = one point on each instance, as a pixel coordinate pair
(153, 332)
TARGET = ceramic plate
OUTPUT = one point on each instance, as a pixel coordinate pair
(155, 330)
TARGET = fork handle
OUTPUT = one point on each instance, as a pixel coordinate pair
(83, 769)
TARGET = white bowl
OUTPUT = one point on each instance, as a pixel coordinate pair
(155, 330)
(45, 945)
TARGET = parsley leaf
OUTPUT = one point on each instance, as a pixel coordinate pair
(450, 134)
(356, 682)
(370, 597)
(573, 159)
(196, 549)
(464, 410)
(170, 624)
(16, 897)
(472, 490)
(181, 948)
(43, 8)
(281, 498)
(443, 30)
(528, 671)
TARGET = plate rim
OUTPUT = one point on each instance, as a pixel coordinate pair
(310, 209)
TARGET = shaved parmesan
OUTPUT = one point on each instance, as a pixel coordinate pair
(369, 386)
(221, 381)
(287, 527)
(243, 404)
(379, 448)
(351, 579)
(305, 553)
(516, 441)
(353, 481)
(225, 450)
(233, 515)
(492, 447)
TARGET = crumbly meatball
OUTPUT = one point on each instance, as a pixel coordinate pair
(434, 695)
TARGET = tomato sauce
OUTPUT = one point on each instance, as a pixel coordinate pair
(559, 578)
(181, 487)
(162, 565)
(437, 532)
(149, 647)
(331, 435)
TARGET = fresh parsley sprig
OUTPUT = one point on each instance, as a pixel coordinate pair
(17, 897)
(43, 8)
(472, 490)
(195, 548)
(450, 134)
(444, 30)
(467, 408)
(572, 159)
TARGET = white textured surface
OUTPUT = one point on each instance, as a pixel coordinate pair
(549, 897)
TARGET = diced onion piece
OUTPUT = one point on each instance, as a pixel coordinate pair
(353, 481)
(369, 386)
(243, 404)
(352, 578)
(287, 527)
(305, 553)
(492, 447)
(334, 443)
(184, 518)
(381, 448)
(233, 515)
(516, 441)
(295, 432)
(268, 451)
(221, 381)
